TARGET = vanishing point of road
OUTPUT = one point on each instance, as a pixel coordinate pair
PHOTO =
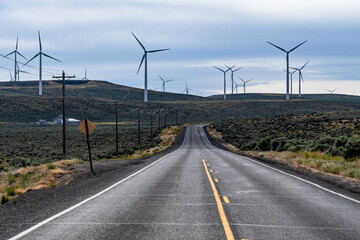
(202, 192)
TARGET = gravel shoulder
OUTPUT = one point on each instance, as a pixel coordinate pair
(35, 206)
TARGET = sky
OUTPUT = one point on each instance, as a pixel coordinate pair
(96, 35)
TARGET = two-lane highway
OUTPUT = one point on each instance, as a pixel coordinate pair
(202, 192)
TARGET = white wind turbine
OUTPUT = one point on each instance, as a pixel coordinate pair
(287, 65)
(331, 91)
(300, 76)
(164, 82)
(291, 80)
(15, 52)
(245, 81)
(40, 54)
(232, 76)
(187, 89)
(142, 60)
(224, 71)
(236, 86)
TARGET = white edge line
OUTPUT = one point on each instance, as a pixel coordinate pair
(24, 233)
(288, 174)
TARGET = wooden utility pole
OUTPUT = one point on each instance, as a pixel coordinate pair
(117, 137)
(63, 110)
(88, 142)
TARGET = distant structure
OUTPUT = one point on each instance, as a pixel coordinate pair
(291, 80)
(59, 120)
(232, 77)
(16, 66)
(85, 78)
(236, 86)
(224, 71)
(287, 65)
(300, 76)
(163, 83)
(142, 60)
(18, 73)
(331, 91)
(186, 90)
(245, 81)
(40, 54)
(11, 77)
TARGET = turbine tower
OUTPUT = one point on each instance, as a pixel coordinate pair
(287, 65)
(18, 71)
(85, 78)
(331, 91)
(187, 89)
(164, 81)
(244, 81)
(142, 60)
(224, 71)
(15, 52)
(232, 76)
(291, 80)
(40, 54)
(236, 86)
(300, 76)
(11, 77)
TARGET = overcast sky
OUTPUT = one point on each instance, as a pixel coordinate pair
(96, 35)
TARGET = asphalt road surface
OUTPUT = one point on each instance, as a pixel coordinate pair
(202, 192)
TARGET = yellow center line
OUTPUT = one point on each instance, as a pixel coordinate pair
(216, 180)
(225, 223)
(226, 199)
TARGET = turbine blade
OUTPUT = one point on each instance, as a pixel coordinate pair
(241, 79)
(40, 41)
(304, 65)
(50, 57)
(296, 69)
(219, 69)
(334, 90)
(237, 69)
(9, 54)
(142, 60)
(17, 41)
(158, 50)
(297, 46)
(277, 47)
(301, 76)
(22, 55)
(138, 41)
(31, 59)
(161, 78)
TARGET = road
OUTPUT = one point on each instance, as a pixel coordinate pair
(202, 192)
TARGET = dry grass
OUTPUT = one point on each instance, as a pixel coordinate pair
(37, 177)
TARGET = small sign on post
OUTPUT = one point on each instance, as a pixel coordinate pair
(87, 127)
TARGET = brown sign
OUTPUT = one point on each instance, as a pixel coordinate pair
(82, 127)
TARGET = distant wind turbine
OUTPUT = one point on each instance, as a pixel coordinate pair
(244, 81)
(224, 71)
(164, 81)
(236, 86)
(85, 78)
(142, 60)
(187, 89)
(331, 91)
(11, 77)
(15, 52)
(18, 71)
(291, 80)
(40, 54)
(287, 65)
(300, 76)
(232, 76)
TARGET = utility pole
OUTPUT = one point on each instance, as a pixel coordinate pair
(139, 135)
(63, 109)
(117, 137)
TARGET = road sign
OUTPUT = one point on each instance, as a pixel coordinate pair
(82, 127)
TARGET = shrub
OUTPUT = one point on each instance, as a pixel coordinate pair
(332, 167)
(278, 144)
(352, 148)
(11, 178)
(335, 151)
(340, 141)
(264, 144)
(4, 199)
(10, 191)
(353, 173)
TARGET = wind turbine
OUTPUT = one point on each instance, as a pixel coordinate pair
(15, 52)
(244, 81)
(236, 86)
(232, 76)
(187, 89)
(300, 76)
(287, 65)
(85, 78)
(164, 81)
(11, 77)
(331, 91)
(142, 60)
(18, 71)
(291, 78)
(40, 54)
(224, 71)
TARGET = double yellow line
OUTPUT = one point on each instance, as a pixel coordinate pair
(225, 222)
